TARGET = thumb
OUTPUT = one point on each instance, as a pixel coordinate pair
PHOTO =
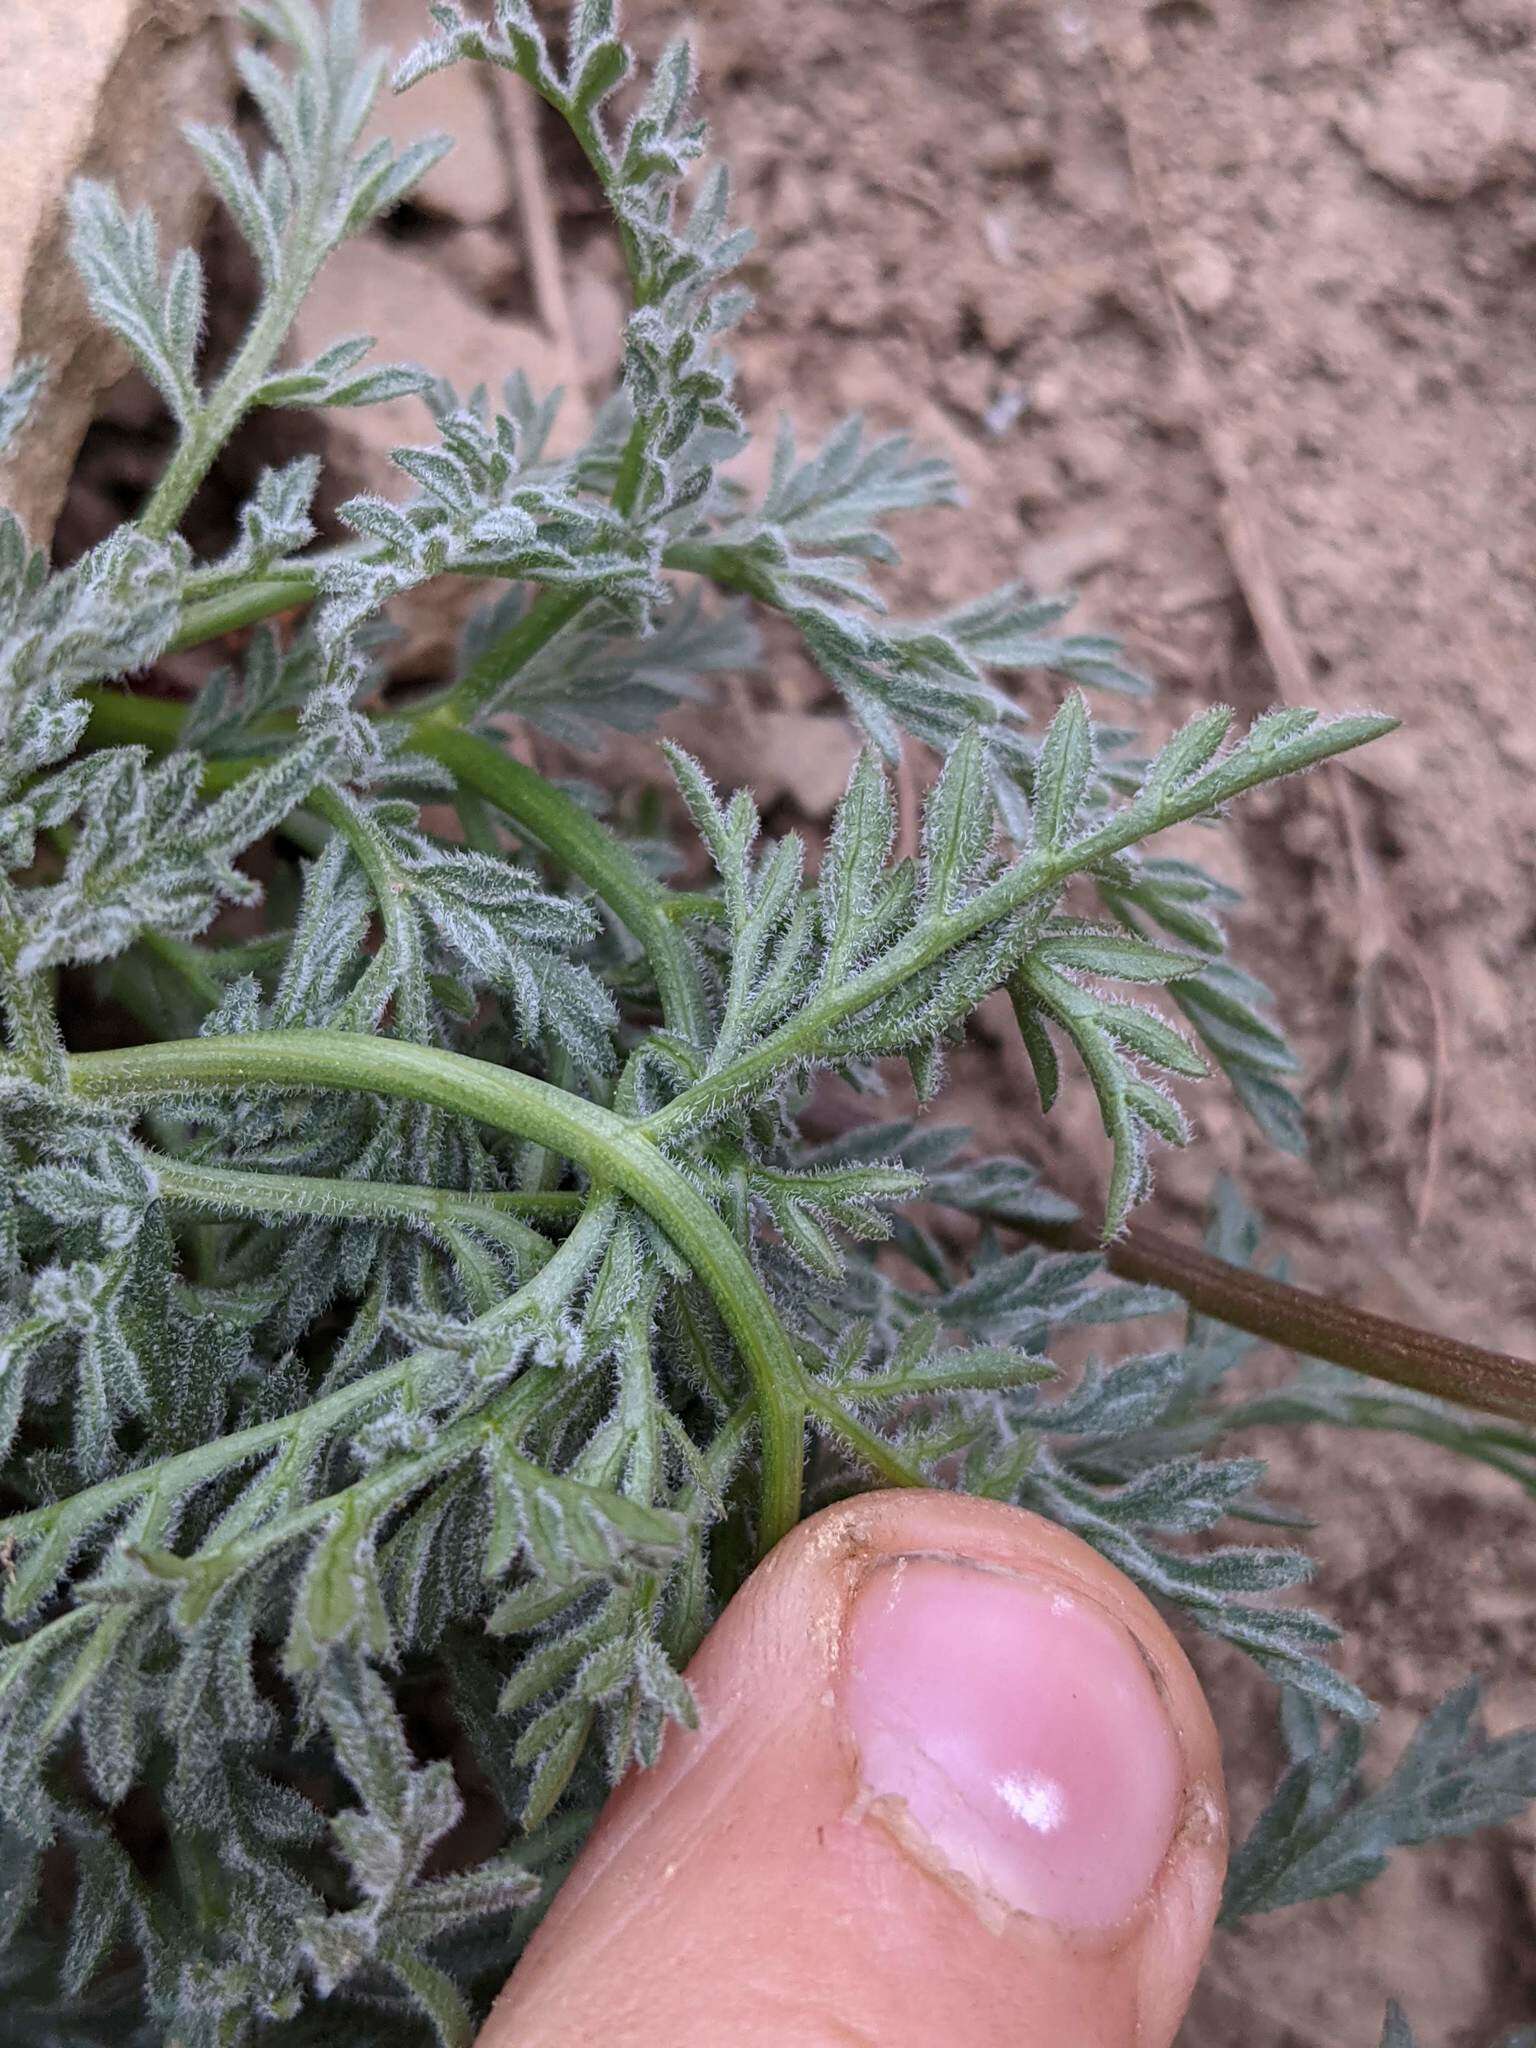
(953, 1781)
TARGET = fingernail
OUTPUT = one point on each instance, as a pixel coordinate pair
(1013, 1732)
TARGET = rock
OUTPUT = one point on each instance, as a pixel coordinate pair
(598, 313)
(482, 262)
(800, 755)
(372, 286)
(1433, 132)
(1203, 277)
(375, 287)
(88, 88)
(1012, 147)
(472, 183)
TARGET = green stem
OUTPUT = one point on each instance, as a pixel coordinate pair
(209, 615)
(681, 904)
(196, 1467)
(476, 822)
(639, 1416)
(882, 1457)
(307, 245)
(537, 809)
(549, 614)
(187, 962)
(559, 824)
(225, 1191)
(382, 978)
(246, 604)
(119, 719)
(626, 484)
(589, 139)
(606, 1147)
(377, 1492)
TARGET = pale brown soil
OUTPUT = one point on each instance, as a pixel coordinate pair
(1272, 414)
(1225, 316)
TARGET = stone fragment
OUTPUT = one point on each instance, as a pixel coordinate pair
(1432, 131)
(1203, 277)
(100, 89)
(373, 286)
(471, 183)
(1015, 145)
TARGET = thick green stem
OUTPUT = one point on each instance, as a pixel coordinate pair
(537, 810)
(548, 615)
(609, 869)
(243, 604)
(119, 719)
(225, 1191)
(605, 1146)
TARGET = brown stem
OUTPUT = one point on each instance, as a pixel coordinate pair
(1312, 1324)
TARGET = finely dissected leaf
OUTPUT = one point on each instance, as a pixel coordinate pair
(1061, 774)
(18, 395)
(145, 854)
(854, 866)
(565, 1530)
(957, 826)
(1326, 1833)
(410, 1322)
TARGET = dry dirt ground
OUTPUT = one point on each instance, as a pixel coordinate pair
(1225, 316)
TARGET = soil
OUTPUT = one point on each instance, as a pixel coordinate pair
(1224, 316)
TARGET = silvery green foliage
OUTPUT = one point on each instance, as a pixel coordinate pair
(109, 615)
(488, 507)
(1325, 1832)
(608, 676)
(351, 1433)
(310, 192)
(147, 854)
(18, 396)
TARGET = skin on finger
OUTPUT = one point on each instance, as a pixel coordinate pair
(800, 1870)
